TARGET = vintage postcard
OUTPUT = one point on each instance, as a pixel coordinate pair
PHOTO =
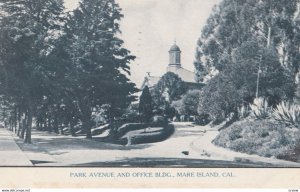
(149, 93)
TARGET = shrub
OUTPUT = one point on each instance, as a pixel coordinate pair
(243, 112)
(158, 121)
(243, 145)
(202, 119)
(264, 137)
(131, 117)
(260, 108)
(287, 114)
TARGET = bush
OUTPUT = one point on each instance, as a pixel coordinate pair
(131, 117)
(262, 137)
(219, 98)
(243, 145)
(158, 121)
(260, 108)
(202, 119)
(243, 112)
(287, 114)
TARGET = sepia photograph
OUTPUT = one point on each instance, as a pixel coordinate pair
(150, 84)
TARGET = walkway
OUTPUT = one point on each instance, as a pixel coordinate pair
(10, 153)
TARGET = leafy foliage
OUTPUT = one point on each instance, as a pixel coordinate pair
(287, 114)
(169, 88)
(243, 112)
(235, 86)
(265, 138)
(219, 98)
(60, 68)
(26, 38)
(146, 105)
(232, 23)
(260, 108)
(190, 102)
(97, 60)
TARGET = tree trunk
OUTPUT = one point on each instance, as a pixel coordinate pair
(19, 128)
(86, 116)
(49, 126)
(23, 126)
(55, 123)
(61, 129)
(87, 127)
(18, 122)
(15, 120)
(71, 127)
(29, 126)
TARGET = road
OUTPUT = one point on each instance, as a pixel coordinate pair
(189, 146)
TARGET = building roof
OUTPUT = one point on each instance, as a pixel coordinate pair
(174, 48)
(184, 74)
(150, 81)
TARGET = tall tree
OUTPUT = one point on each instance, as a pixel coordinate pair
(146, 105)
(273, 23)
(235, 86)
(99, 62)
(27, 30)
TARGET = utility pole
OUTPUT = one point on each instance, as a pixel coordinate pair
(260, 60)
(258, 75)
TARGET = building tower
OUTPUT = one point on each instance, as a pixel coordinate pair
(174, 56)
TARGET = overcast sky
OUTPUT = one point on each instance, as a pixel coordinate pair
(149, 28)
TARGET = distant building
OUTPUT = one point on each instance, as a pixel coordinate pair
(174, 66)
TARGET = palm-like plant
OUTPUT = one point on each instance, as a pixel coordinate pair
(287, 113)
(243, 111)
(260, 108)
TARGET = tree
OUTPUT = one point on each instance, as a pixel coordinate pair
(27, 31)
(169, 88)
(146, 105)
(60, 68)
(235, 85)
(273, 23)
(99, 62)
(245, 48)
(190, 102)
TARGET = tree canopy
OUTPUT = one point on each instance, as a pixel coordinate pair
(60, 67)
(247, 48)
(169, 88)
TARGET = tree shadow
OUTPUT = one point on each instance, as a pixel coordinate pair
(172, 162)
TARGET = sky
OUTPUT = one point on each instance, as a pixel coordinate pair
(150, 27)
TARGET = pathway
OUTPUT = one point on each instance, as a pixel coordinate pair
(10, 153)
